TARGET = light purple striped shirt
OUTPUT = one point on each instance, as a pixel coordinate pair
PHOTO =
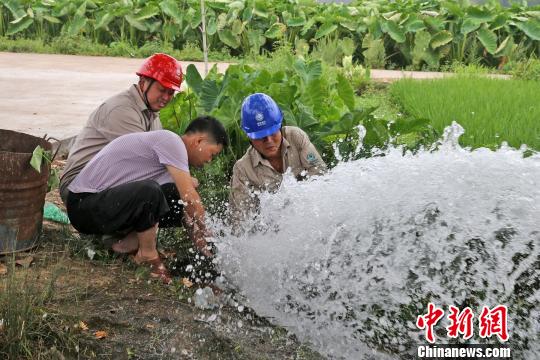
(133, 157)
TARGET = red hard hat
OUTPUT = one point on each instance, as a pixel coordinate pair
(163, 68)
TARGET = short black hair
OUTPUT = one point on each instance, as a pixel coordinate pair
(211, 126)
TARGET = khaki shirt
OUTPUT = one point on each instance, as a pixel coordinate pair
(254, 173)
(121, 114)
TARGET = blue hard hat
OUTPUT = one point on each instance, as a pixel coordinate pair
(261, 116)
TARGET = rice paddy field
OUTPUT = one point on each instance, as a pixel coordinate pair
(490, 110)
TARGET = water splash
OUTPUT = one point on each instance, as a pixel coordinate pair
(348, 260)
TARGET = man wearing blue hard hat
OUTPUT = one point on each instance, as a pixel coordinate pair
(273, 150)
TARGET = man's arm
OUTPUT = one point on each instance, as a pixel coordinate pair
(193, 208)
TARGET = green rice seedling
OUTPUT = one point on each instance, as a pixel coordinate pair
(490, 110)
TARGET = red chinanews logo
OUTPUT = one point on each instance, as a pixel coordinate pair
(490, 322)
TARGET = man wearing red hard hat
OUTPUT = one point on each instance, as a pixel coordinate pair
(134, 110)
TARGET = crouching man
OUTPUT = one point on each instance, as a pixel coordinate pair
(141, 181)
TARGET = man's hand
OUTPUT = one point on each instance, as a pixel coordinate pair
(195, 182)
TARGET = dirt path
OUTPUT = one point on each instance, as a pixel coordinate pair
(54, 94)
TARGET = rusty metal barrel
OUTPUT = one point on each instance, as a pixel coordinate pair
(22, 191)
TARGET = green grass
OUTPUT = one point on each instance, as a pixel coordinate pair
(78, 45)
(490, 110)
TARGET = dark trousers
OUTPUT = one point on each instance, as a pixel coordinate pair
(133, 206)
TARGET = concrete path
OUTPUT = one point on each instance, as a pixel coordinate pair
(54, 94)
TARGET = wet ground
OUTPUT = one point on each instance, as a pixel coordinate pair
(142, 318)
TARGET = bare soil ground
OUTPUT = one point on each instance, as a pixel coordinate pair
(143, 319)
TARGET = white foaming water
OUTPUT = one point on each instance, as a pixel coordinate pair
(347, 261)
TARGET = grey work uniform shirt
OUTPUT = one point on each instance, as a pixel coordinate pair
(121, 114)
(255, 173)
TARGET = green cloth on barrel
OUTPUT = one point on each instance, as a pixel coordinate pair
(53, 212)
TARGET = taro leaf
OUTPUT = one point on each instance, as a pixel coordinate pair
(434, 24)
(237, 27)
(345, 91)
(135, 23)
(275, 31)
(531, 28)
(325, 29)
(194, 79)
(211, 26)
(237, 5)
(81, 10)
(228, 38)
(499, 22)
(37, 158)
(147, 12)
(296, 21)
(347, 46)
(432, 58)
(310, 71)
(247, 14)
(404, 125)
(283, 93)
(52, 19)
(209, 95)
(255, 39)
(505, 47)
(15, 8)
(304, 117)
(480, 14)
(421, 45)
(469, 24)
(308, 25)
(76, 25)
(221, 21)
(170, 8)
(195, 19)
(453, 8)
(301, 46)
(288, 117)
(19, 26)
(260, 9)
(414, 25)
(103, 19)
(314, 93)
(349, 25)
(395, 31)
(375, 54)
(488, 38)
(440, 39)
